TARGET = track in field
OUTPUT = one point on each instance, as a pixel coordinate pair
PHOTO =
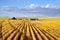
(26, 31)
(1, 30)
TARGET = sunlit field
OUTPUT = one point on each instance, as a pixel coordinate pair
(26, 28)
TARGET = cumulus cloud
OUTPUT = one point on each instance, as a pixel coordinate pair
(50, 6)
(31, 6)
(34, 9)
(9, 8)
(28, 8)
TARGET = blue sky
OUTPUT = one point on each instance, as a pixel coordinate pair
(22, 3)
(18, 7)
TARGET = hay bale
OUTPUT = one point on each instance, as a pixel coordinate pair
(33, 18)
(14, 18)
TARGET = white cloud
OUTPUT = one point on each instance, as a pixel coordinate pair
(5, 8)
(9, 8)
(50, 6)
(31, 9)
(31, 6)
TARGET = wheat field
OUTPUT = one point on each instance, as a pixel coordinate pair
(30, 29)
